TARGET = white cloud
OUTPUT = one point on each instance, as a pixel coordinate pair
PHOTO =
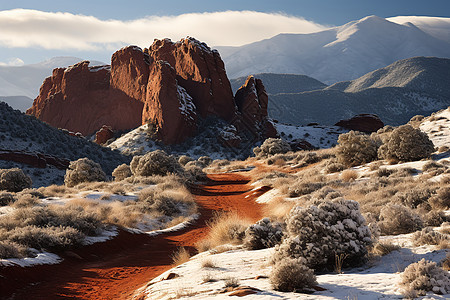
(14, 62)
(32, 28)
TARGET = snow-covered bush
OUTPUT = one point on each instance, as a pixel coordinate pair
(121, 172)
(83, 170)
(320, 233)
(14, 180)
(184, 159)
(398, 219)
(205, 160)
(425, 276)
(292, 275)
(263, 234)
(155, 163)
(355, 148)
(272, 146)
(406, 143)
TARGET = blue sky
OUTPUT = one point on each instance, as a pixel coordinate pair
(42, 31)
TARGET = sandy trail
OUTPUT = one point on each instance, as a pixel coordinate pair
(116, 268)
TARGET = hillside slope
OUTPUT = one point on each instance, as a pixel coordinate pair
(340, 53)
(395, 93)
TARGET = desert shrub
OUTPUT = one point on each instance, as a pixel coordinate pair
(383, 172)
(50, 237)
(398, 219)
(406, 143)
(425, 276)
(231, 282)
(428, 236)
(292, 275)
(414, 197)
(14, 180)
(355, 148)
(184, 159)
(434, 218)
(194, 173)
(180, 256)
(6, 198)
(301, 188)
(333, 167)
(263, 234)
(441, 200)
(272, 146)
(83, 170)
(10, 249)
(320, 233)
(164, 201)
(383, 248)
(155, 163)
(121, 172)
(204, 160)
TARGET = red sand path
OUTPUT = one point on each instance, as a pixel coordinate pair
(116, 268)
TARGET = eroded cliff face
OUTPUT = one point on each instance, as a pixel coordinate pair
(169, 85)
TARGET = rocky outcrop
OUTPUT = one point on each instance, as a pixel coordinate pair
(79, 99)
(37, 160)
(252, 101)
(169, 86)
(363, 122)
(104, 134)
(168, 107)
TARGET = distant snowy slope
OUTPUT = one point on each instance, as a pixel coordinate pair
(27, 79)
(395, 93)
(340, 53)
(437, 27)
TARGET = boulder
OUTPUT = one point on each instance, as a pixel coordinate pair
(104, 134)
(367, 123)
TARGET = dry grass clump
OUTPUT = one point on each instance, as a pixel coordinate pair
(292, 275)
(231, 282)
(300, 188)
(278, 208)
(349, 175)
(425, 276)
(332, 166)
(10, 249)
(14, 180)
(6, 199)
(224, 228)
(208, 263)
(180, 256)
(56, 190)
(383, 248)
(428, 236)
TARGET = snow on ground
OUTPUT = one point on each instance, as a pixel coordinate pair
(317, 135)
(437, 127)
(42, 258)
(377, 280)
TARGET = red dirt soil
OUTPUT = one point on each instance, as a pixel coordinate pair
(117, 268)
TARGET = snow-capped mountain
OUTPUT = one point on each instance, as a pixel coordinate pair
(26, 80)
(395, 93)
(435, 26)
(340, 53)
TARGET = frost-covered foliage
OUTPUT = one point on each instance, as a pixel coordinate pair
(398, 219)
(320, 233)
(272, 146)
(355, 148)
(121, 172)
(406, 143)
(428, 236)
(155, 163)
(83, 170)
(425, 276)
(292, 275)
(263, 234)
(14, 180)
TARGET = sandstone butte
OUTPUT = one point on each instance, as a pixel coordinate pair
(169, 85)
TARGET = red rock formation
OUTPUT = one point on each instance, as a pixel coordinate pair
(37, 160)
(104, 134)
(79, 99)
(364, 122)
(168, 106)
(252, 101)
(201, 72)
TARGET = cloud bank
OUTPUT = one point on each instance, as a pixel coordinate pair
(32, 28)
